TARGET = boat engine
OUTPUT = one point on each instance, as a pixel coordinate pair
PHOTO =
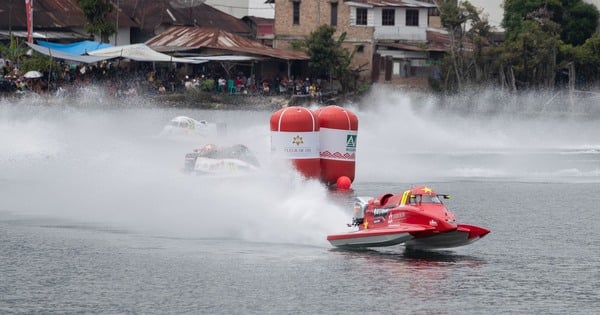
(360, 206)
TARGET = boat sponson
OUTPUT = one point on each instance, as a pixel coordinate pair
(376, 237)
(463, 235)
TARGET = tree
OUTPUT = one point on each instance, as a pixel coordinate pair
(579, 23)
(96, 12)
(328, 59)
(465, 25)
(542, 39)
(585, 58)
(577, 20)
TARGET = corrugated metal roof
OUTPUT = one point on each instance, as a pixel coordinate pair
(45, 35)
(181, 38)
(46, 13)
(437, 41)
(394, 3)
(151, 13)
(50, 14)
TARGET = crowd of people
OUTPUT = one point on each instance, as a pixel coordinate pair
(145, 79)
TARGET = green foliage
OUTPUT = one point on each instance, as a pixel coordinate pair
(297, 45)
(323, 50)
(468, 33)
(586, 59)
(580, 22)
(39, 62)
(577, 20)
(543, 37)
(207, 85)
(329, 59)
(96, 13)
(13, 50)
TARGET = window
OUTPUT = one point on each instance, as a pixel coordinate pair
(360, 48)
(334, 12)
(412, 17)
(361, 16)
(388, 17)
(296, 13)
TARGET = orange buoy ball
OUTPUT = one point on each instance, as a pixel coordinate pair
(343, 182)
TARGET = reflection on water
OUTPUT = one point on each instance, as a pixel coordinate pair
(418, 274)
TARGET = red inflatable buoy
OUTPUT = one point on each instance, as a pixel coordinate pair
(295, 136)
(343, 182)
(337, 137)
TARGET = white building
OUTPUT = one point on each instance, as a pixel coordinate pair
(241, 8)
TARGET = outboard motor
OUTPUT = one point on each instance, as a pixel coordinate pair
(360, 206)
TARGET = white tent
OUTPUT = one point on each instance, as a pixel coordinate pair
(139, 52)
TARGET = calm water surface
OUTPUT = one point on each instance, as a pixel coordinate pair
(95, 217)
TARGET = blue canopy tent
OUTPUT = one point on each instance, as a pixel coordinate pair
(78, 48)
(65, 56)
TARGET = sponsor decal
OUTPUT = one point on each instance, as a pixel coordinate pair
(380, 212)
(298, 140)
(351, 142)
(297, 150)
(395, 216)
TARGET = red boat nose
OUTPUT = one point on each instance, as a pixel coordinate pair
(474, 231)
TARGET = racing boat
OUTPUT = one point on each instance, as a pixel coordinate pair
(213, 160)
(186, 126)
(416, 218)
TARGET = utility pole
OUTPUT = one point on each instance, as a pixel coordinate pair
(117, 24)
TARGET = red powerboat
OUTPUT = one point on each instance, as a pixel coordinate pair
(416, 218)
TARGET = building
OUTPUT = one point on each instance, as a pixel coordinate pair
(243, 8)
(393, 40)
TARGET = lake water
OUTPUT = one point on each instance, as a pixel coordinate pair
(97, 217)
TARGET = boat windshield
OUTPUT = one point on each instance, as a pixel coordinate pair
(425, 199)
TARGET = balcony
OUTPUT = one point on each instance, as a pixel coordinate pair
(405, 33)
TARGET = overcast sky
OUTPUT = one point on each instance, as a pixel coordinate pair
(492, 8)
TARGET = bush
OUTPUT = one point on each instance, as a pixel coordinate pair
(207, 85)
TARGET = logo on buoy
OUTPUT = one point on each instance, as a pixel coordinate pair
(298, 140)
(350, 142)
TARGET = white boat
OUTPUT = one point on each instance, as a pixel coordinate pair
(213, 160)
(189, 127)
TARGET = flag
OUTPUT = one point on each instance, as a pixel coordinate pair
(29, 12)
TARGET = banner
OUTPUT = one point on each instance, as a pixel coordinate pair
(29, 12)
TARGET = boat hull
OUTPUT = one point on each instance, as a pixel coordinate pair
(410, 237)
(387, 236)
(463, 235)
